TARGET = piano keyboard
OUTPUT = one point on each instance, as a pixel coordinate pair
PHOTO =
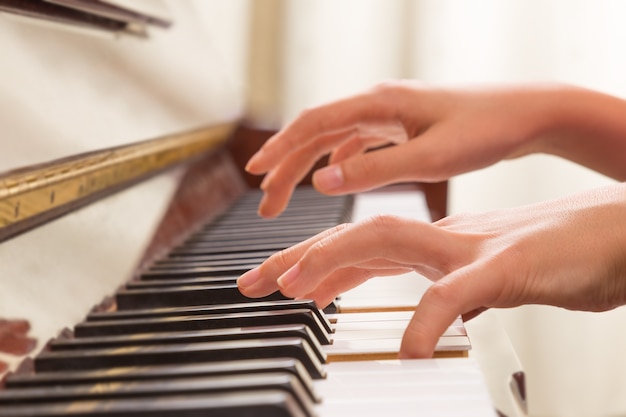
(181, 339)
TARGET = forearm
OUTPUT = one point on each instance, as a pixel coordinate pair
(586, 127)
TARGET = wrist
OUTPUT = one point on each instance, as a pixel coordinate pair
(577, 122)
(550, 113)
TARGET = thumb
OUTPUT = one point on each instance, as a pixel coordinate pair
(363, 172)
(415, 160)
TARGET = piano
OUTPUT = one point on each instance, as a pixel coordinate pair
(159, 328)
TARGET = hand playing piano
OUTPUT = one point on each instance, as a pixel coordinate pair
(14, 339)
(569, 252)
(438, 133)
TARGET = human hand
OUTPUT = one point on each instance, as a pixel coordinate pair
(438, 133)
(14, 339)
(568, 253)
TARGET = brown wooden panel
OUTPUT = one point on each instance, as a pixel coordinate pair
(208, 188)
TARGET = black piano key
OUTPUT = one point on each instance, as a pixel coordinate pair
(206, 264)
(176, 280)
(243, 245)
(164, 372)
(166, 338)
(281, 381)
(311, 227)
(204, 322)
(169, 260)
(185, 296)
(302, 198)
(242, 226)
(202, 271)
(214, 309)
(217, 235)
(296, 348)
(261, 403)
(239, 212)
(310, 206)
(242, 230)
(331, 308)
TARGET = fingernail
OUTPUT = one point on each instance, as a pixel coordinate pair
(329, 178)
(249, 278)
(289, 277)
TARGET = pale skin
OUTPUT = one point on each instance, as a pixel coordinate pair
(569, 252)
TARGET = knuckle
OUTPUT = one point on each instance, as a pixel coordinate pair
(367, 167)
(385, 229)
(321, 253)
(393, 87)
(441, 294)
(321, 249)
(387, 86)
(282, 259)
(312, 116)
(384, 223)
(306, 112)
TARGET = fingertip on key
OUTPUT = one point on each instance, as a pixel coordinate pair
(252, 166)
(289, 277)
(249, 278)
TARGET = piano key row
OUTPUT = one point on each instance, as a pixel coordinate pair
(182, 337)
(182, 326)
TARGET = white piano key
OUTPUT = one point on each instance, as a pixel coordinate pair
(408, 203)
(389, 347)
(399, 291)
(377, 330)
(376, 316)
(432, 387)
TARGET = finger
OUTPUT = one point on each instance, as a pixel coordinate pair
(383, 237)
(355, 146)
(319, 121)
(261, 281)
(370, 135)
(444, 301)
(337, 283)
(280, 182)
(346, 279)
(416, 160)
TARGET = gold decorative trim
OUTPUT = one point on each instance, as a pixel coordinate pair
(33, 195)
